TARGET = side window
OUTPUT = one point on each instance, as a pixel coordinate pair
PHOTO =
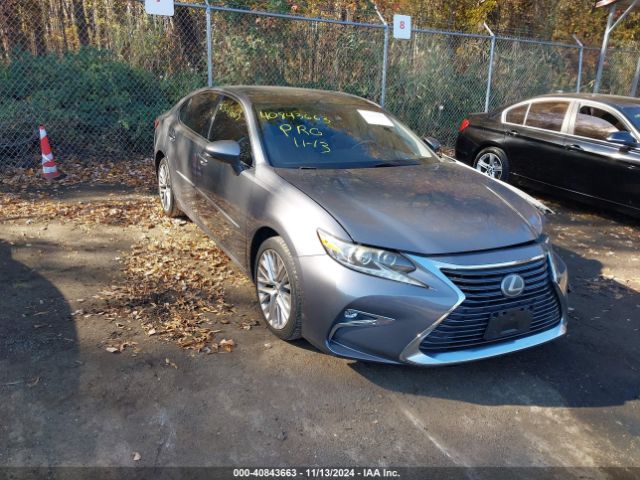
(547, 115)
(592, 122)
(516, 114)
(198, 111)
(230, 123)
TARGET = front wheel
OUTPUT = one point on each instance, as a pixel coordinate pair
(278, 288)
(165, 191)
(493, 162)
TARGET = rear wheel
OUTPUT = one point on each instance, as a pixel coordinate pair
(278, 288)
(165, 190)
(493, 162)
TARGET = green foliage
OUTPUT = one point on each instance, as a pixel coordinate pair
(432, 87)
(88, 100)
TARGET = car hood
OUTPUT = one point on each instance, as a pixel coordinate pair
(428, 209)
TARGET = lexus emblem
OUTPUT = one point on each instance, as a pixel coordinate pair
(512, 285)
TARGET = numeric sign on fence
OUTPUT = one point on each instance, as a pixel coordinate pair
(402, 27)
(159, 7)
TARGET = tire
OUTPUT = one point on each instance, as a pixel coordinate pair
(286, 326)
(165, 191)
(493, 161)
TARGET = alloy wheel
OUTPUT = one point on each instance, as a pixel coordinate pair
(164, 187)
(274, 289)
(490, 164)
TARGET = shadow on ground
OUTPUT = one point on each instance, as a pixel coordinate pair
(38, 349)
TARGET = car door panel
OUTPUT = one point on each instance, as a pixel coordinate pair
(225, 190)
(602, 169)
(536, 148)
(605, 171)
(186, 140)
(179, 154)
(536, 154)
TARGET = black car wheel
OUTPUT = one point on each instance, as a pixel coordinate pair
(278, 289)
(493, 162)
(165, 191)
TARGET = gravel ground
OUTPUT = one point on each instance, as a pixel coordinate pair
(65, 400)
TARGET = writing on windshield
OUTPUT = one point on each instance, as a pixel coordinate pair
(303, 129)
(336, 135)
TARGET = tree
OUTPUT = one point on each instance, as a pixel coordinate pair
(188, 35)
(81, 22)
(14, 39)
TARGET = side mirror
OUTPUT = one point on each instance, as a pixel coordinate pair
(622, 138)
(432, 143)
(227, 151)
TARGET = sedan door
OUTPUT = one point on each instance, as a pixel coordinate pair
(600, 168)
(225, 191)
(536, 147)
(186, 138)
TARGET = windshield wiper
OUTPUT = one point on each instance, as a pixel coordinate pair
(385, 164)
(396, 163)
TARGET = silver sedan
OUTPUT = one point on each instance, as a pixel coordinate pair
(360, 236)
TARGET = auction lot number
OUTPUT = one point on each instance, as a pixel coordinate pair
(315, 472)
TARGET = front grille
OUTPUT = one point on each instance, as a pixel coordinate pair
(465, 326)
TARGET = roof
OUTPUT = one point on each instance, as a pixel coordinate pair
(611, 100)
(267, 94)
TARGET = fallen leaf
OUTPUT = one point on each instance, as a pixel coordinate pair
(227, 345)
(170, 363)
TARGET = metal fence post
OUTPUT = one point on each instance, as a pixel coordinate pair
(636, 79)
(490, 74)
(580, 57)
(209, 47)
(385, 56)
(603, 48)
(611, 25)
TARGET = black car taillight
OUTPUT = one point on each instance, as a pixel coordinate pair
(465, 123)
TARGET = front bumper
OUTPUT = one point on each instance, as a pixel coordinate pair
(359, 316)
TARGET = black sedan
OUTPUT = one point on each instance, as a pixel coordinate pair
(581, 145)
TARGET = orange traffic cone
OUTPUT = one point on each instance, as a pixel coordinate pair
(49, 169)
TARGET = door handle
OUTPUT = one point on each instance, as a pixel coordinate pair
(573, 147)
(172, 135)
(203, 158)
(512, 133)
(630, 165)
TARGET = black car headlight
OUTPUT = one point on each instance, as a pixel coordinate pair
(373, 261)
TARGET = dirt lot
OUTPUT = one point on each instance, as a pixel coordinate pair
(127, 339)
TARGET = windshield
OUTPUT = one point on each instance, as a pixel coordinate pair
(332, 135)
(633, 114)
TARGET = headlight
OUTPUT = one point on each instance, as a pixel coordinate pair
(373, 261)
(558, 267)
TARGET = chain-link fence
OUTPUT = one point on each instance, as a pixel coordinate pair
(435, 79)
(97, 72)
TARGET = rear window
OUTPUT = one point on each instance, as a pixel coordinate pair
(516, 114)
(547, 115)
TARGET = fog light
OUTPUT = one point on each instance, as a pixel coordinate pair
(356, 318)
